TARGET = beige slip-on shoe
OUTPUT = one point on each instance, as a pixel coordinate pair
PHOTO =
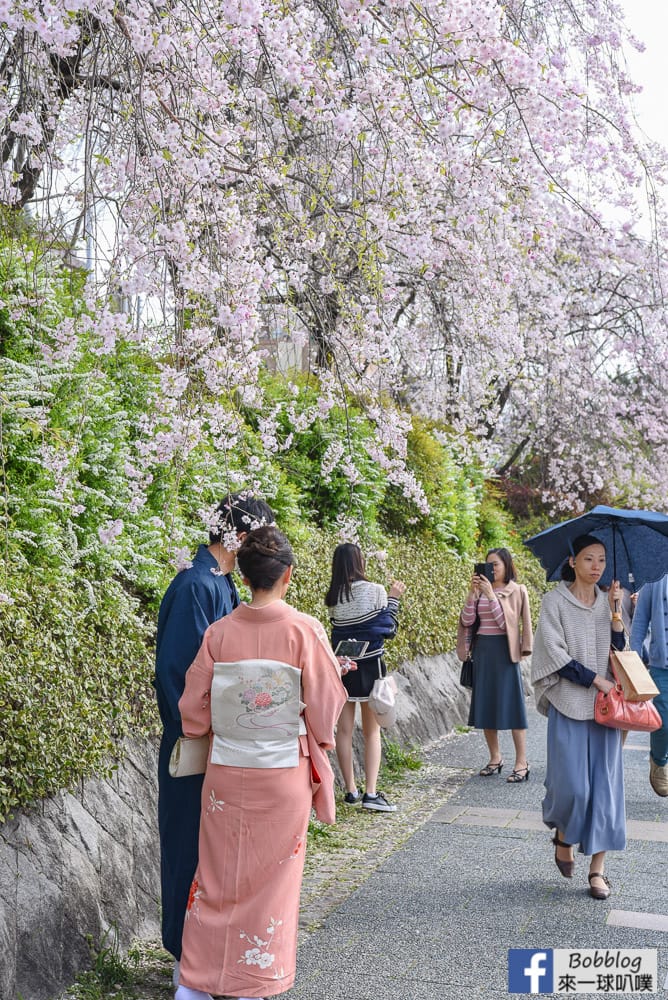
(658, 777)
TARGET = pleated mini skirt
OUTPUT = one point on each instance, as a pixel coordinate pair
(359, 683)
(497, 697)
(584, 783)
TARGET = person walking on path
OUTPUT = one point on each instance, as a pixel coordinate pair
(360, 609)
(266, 685)
(496, 621)
(584, 781)
(195, 598)
(651, 620)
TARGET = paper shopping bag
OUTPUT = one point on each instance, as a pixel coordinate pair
(633, 675)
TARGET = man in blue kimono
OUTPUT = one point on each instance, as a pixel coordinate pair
(195, 598)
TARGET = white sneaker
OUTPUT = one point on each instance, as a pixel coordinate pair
(185, 993)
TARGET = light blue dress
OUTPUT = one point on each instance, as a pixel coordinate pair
(584, 783)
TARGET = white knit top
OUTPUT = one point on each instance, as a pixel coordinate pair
(366, 601)
(569, 630)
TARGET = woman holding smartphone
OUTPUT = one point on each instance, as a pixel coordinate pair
(361, 610)
(496, 624)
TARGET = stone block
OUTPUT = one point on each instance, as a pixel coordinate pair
(104, 807)
(38, 954)
(7, 939)
(146, 856)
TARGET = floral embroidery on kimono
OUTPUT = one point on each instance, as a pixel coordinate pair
(267, 692)
(215, 805)
(193, 901)
(300, 838)
(260, 955)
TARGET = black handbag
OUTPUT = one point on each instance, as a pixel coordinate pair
(466, 673)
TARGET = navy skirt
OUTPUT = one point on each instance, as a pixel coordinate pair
(497, 698)
(584, 783)
(359, 683)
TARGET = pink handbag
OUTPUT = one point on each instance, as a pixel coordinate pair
(615, 712)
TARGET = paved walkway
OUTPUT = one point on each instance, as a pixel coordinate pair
(437, 917)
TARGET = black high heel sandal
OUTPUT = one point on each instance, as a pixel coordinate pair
(519, 774)
(491, 769)
(567, 868)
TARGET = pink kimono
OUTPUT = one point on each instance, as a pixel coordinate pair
(272, 725)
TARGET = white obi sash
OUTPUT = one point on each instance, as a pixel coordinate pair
(255, 714)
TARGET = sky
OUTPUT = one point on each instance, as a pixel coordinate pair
(648, 20)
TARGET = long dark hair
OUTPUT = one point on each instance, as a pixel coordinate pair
(507, 560)
(263, 557)
(347, 567)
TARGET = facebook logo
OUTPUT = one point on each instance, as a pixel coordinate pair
(530, 971)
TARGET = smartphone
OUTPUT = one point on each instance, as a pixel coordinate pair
(354, 648)
(484, 569)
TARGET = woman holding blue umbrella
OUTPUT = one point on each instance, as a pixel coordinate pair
(584, 782)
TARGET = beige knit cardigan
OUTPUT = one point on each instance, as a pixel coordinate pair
(569, 630)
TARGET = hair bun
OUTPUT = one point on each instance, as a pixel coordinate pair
(263, 556)
(265, 550)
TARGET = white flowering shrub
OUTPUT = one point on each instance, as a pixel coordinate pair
(96, 514)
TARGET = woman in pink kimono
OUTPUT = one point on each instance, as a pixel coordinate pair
(266, 686)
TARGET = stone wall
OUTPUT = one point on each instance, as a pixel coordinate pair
(79, 863)
(72, 867)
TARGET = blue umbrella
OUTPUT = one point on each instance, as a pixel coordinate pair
(636, 542)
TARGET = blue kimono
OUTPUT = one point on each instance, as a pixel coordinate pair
(195, 599)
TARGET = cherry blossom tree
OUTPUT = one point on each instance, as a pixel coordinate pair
(442, 201)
